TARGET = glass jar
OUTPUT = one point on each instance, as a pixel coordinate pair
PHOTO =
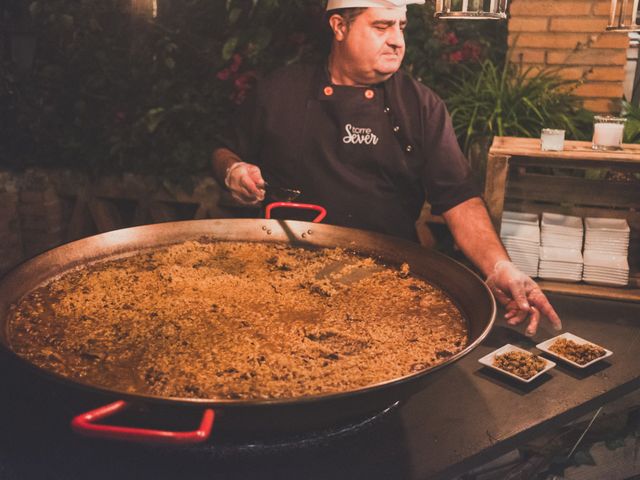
(552, 139)
(607, 132)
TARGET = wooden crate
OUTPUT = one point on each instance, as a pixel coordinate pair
(577, 181)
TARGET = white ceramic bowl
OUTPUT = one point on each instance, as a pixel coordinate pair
(544, 346)
(488, 359)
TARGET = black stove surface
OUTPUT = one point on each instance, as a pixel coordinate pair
(36, 442)
(245, 444)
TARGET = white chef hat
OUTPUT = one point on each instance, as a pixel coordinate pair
(334, 4)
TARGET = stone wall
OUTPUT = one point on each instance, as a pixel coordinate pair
(41, 209)
(570, 35)
(11, 250)
(40, 213)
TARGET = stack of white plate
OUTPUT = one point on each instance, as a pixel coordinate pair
(560, 254)
(562, 264)
(520, 234)
(606, 247)
(562, 231)
(609, 235)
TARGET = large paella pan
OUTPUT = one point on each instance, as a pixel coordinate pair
(467, 291)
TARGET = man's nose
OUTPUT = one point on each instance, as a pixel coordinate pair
(396, 38)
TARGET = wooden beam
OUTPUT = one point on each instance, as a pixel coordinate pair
(628, 294)
(495, 185)
(81, 224)
(530, 147)
(105, 214)
(202, 212)
(162, 212)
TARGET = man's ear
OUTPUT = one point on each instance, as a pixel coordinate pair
(338, 26)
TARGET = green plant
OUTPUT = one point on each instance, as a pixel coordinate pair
(632, 125)
(438, 51)
(110, 90)
(512, 100)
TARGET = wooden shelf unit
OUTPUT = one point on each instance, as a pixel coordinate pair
(576, 181)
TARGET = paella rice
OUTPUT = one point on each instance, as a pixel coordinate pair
(236, 320)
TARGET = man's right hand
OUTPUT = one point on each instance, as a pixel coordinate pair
(245, 183)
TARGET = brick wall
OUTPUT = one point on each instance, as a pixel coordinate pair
(570, 34)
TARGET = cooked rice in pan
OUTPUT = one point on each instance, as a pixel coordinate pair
(234, 320)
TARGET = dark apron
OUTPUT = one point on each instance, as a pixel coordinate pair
(353, 164)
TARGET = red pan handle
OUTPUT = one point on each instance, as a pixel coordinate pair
(84, 425)
(308, 206)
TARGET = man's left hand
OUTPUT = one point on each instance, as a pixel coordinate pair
(521, 297)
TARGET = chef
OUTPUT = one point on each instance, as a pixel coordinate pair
(369, 143)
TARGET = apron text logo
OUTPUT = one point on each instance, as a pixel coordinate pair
(358, 135)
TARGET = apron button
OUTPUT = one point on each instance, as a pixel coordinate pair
(328, 91)
(396, 129)
(369, 94)
(408, 149)
(386, 110)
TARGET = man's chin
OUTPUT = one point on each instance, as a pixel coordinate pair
(389, 65)
(385, 72)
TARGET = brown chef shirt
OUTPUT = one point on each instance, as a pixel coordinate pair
(285, 128)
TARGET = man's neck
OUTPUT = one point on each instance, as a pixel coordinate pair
(339, 74)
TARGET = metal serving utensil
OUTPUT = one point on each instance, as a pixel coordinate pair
(281, 194)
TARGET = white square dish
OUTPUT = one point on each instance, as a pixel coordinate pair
(606, 271)
(559, 278)
(544, 346)
(608, 282)
(521, 231)
(606, 260)
(563, 255)
(607, 224)
(607, 236)
(622, 250)
(519, 217)
(555, 220)
(488, 359)
(533, 252)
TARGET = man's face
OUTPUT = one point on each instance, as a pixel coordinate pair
(373, 45)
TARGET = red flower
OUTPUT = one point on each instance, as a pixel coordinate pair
(471, 51)
(244, 81)
(236, 62)
(243, 84)
(451, 38)
(231, 70)
(456, 57)
(224, 74)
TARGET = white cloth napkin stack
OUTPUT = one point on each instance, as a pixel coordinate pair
(606, 247)
(520, 234)
(560, 253)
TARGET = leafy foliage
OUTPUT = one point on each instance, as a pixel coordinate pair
(512, 100)
(438, 52)
(112, 90)
(632, 125)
